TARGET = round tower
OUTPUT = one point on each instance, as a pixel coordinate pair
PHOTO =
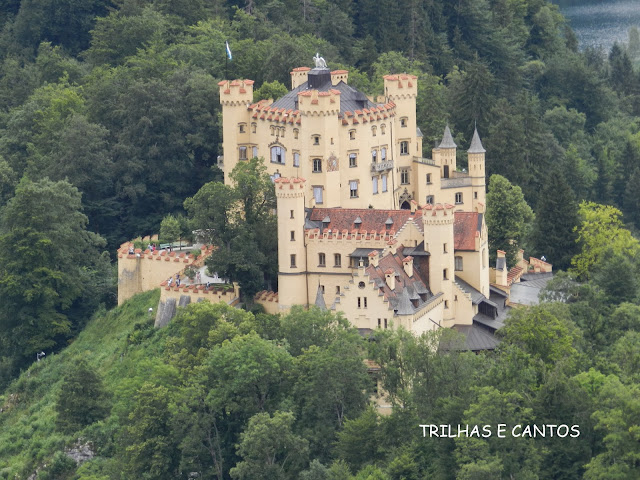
(292, 257)
(476, 162)
(438, 240)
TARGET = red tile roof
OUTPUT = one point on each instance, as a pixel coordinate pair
(465, 230)
(372, 220)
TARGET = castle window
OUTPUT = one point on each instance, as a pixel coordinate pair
(254, 152)
(322, 260)
(352, 134)
(484, 258)
(383, 129)
(404, 148)
(296, 159)
(374, 181)
(353, 189)
(361, 285)
(338, 290)
(364, 302)
(337, 260)
(445, 274)
(385, 323)
(242, 153)
(374, 155)
(254, 127)
(293, 234)
(242, 127)
(384, 183)
(353, 160)
(322, 289)
(475, 195)
(403, 122)
(317, 165)
(281, 132)
(428, 179)
(317, 195)
(383, 154)
(273, 130)
(404, 176)
(295, 133)
(292, 259)
(379, 322)
(374, 131)
(458, 197)
(291, 214)
(458, 264)
(444, 248)
(277, 155)
(429, 200)
(446, 304)
(316, 139)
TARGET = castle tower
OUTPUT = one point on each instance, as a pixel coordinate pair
(292, 258)
(299, 76)
(477, 172)
(438, 240)
(445, 154)
(235, 97)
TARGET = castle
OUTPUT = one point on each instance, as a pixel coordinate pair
(366, 225)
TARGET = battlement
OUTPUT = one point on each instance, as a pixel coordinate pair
(289, 187)
(369, 115)
(354, 235)
(299, 76)
(236, 92)
(314, 102)
(438, 213)
(264, 111)
(401, 86)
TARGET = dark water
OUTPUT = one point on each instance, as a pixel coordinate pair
(601, 22)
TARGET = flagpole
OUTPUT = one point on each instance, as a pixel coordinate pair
(226, 61)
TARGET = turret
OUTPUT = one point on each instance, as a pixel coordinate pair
(299, 76)
(292, 260)
(235, 97)
(445, 154)
(476, 162)
(438, 227)
(338, 76)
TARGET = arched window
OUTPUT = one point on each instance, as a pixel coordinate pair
(383, 129)
(295, 133)
(254, 127)
(374, 131)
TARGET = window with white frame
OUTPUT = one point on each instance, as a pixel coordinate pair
(254, 152)
(316, 139)
(242, 153)
(322, 260)
(317, 195)
(242, 127)
(383, 154)
(337, 261)
(404, 122)
(353, 160)
(353, 189)
(277, 155)
(254, 127)
(296, 159)
(404, 148)
(374, 156)
(317, 165)
(404, 176)
(292, 259)
(352, 134)
(374, 182)
(429, 200)
(374, 131)
(383, 129)
(428, 179)
(384, 183)
(458, 197)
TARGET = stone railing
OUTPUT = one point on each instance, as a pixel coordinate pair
(456, 182)
(426, 161)
(381, 166)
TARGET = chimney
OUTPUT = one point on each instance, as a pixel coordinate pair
(414, 206)
(501, 269)
(390, 277)
(338, 76)
(407, 263)
(374, 257)
(392, 246)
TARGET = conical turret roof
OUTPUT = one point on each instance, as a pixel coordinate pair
(476, 144)
(447, 139)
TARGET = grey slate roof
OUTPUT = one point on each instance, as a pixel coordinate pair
(526, 292)
(350, 98)
(447, 139)
(404, 305)
(476, 144)
(476, 339)
(476, 296)
(320, 299)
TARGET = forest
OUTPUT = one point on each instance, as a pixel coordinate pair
(110, 124)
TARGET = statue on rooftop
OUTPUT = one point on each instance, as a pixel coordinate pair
(320, 62)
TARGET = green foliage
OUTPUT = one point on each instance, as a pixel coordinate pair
(82, 399)
(269, 449)
(270, 90)
(169, 229)
(508, 217)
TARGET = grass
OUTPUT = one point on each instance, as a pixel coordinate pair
(121, 345)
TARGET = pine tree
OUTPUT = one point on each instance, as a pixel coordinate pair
(556, 218)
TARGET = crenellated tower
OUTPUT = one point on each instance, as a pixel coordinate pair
(438, 222)
(292, 259)
(235, 97)
(476, 162)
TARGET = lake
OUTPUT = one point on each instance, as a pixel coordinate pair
(601, 22)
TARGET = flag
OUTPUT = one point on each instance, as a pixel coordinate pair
(228, 50)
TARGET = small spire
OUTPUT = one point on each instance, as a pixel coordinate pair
(447, 139)
(476, 144)
(320, 299)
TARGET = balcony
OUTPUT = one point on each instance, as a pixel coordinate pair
(382, 166)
